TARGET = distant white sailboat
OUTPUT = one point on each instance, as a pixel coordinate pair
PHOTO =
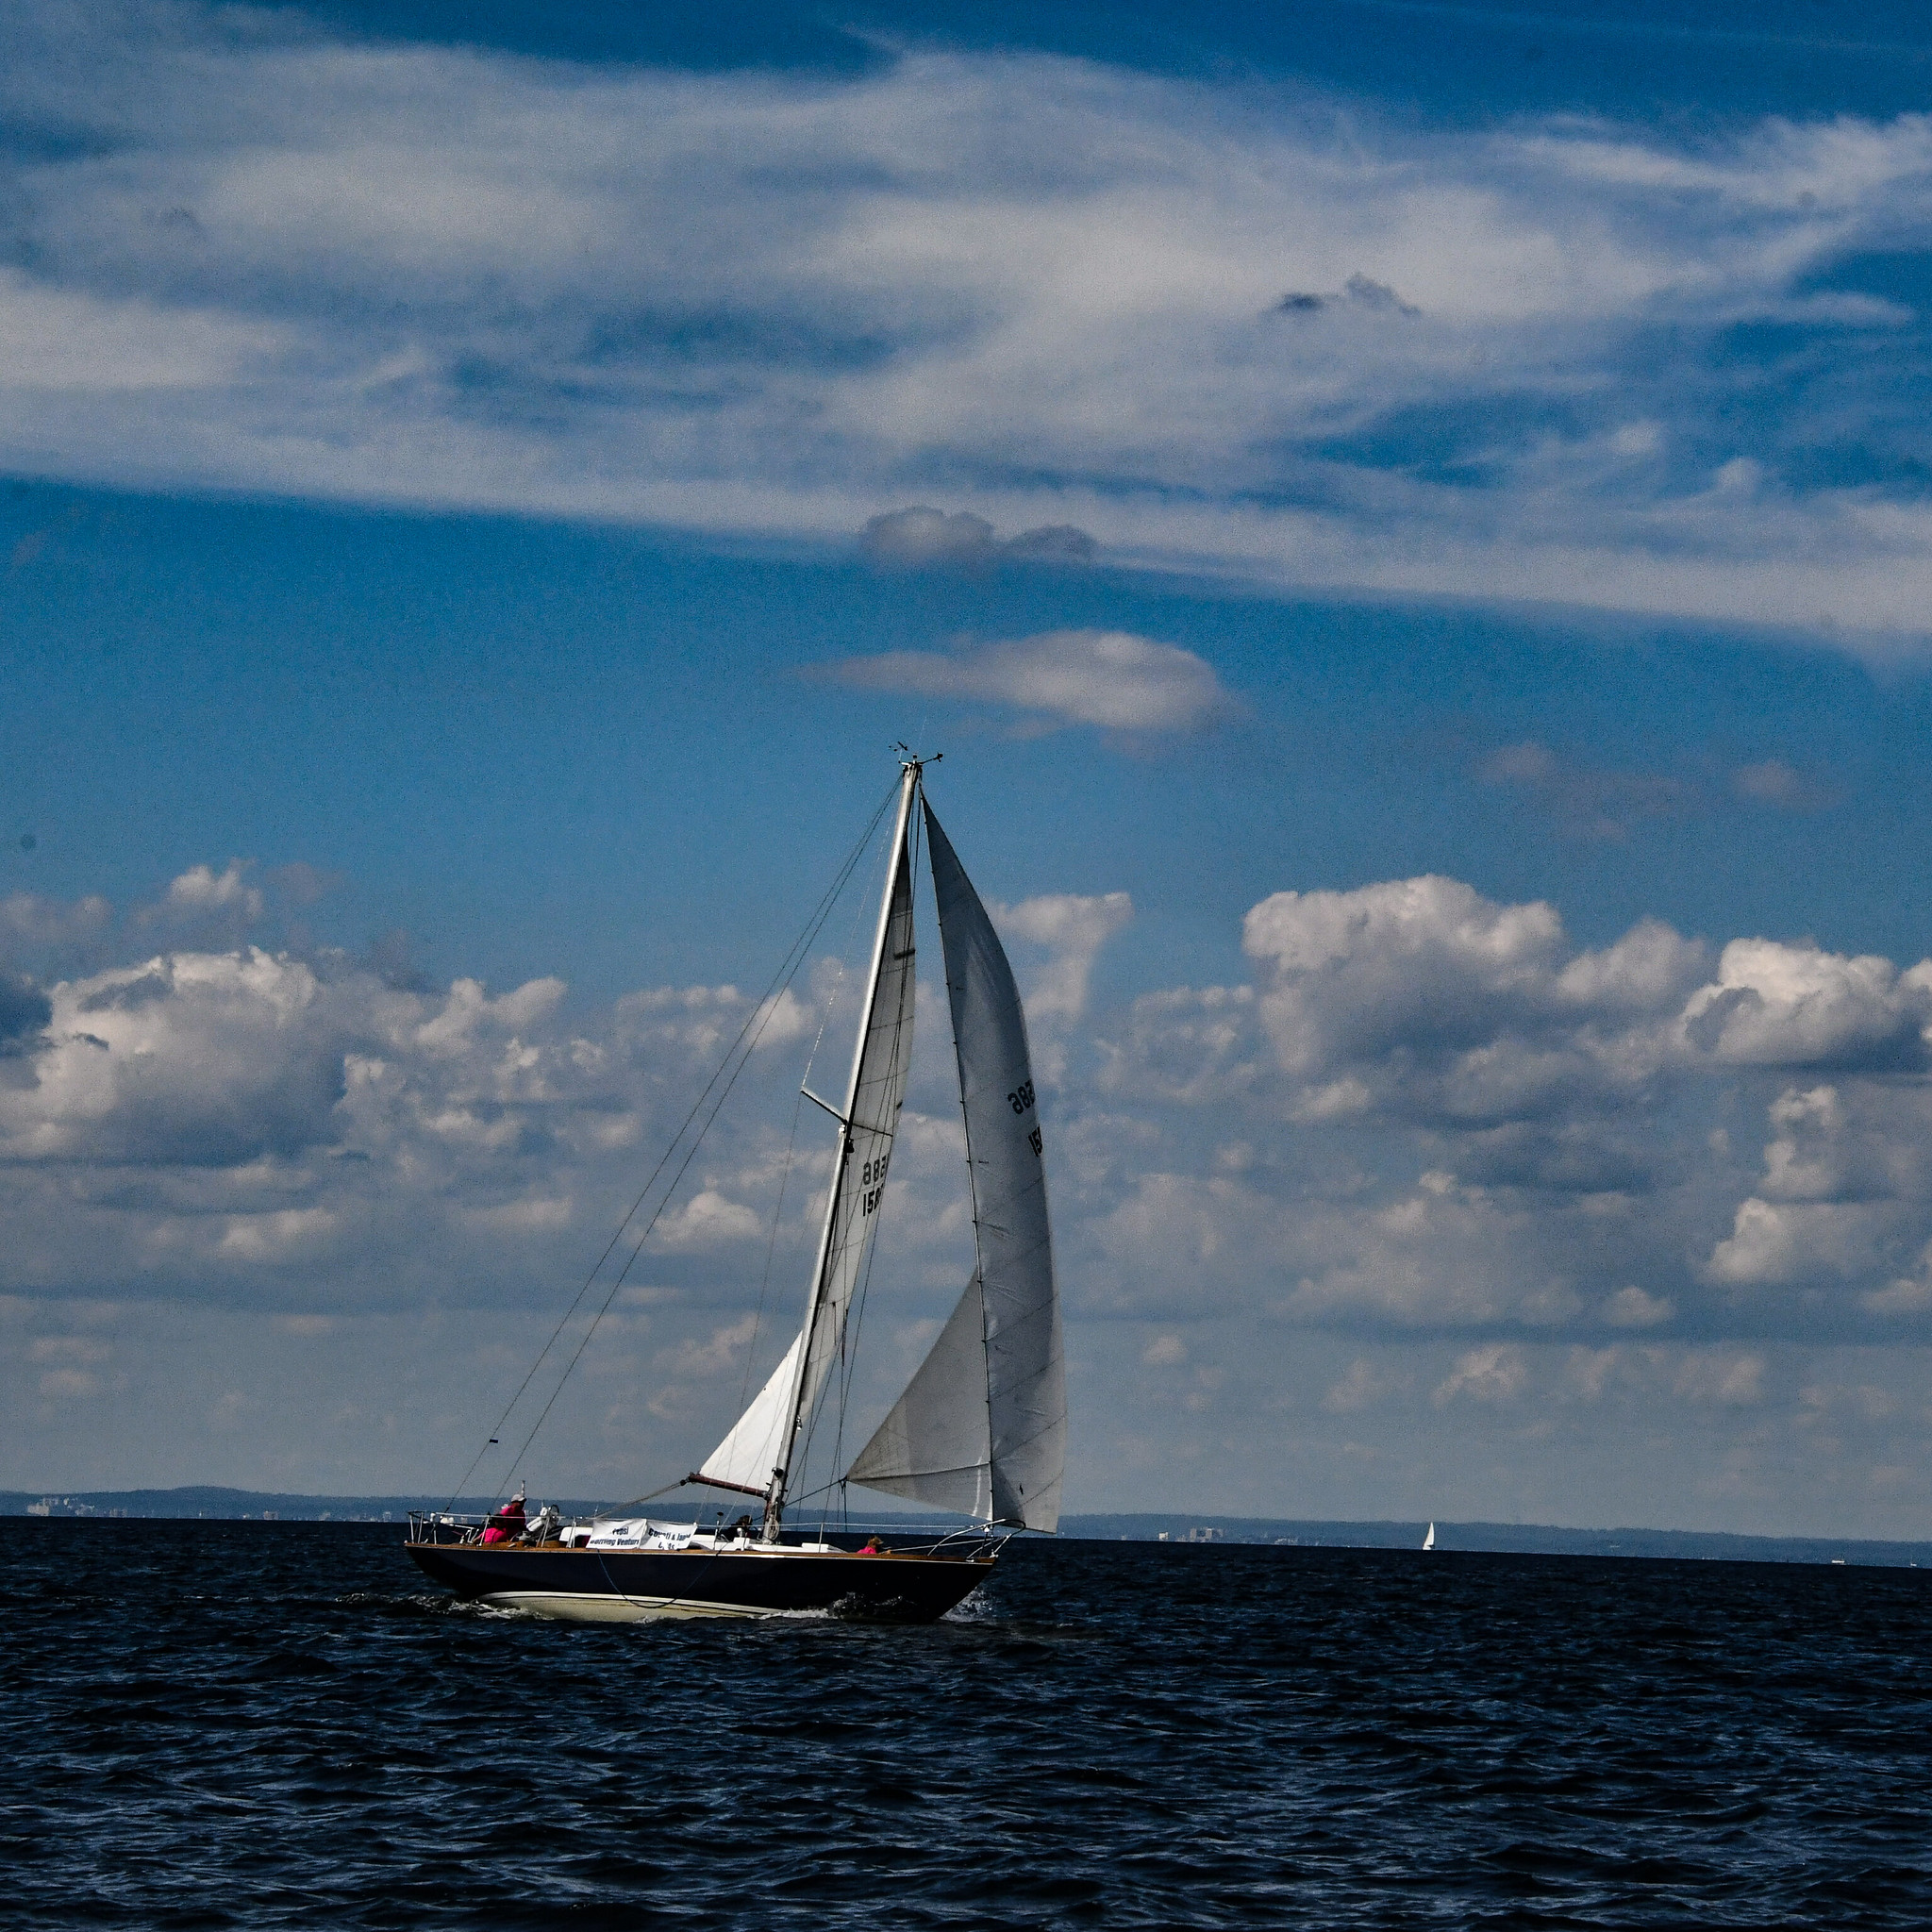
(1429, 1540)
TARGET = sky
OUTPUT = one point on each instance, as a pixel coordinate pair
(1410, 523)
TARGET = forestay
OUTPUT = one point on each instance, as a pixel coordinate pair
(760, 1445)
(982, 1429)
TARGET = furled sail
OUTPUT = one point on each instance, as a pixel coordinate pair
(761, 1440)
(993, 1420)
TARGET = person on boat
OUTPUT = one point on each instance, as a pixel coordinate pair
(508, 1522)
(872, 1547)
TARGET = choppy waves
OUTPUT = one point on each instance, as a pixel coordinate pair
(217, 1724)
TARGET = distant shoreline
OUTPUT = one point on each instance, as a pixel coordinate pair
(1520, 1539)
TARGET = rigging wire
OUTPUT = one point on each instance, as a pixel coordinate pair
(656, 1214)
(751, 1352)
(758, 1018)
(757, 1318)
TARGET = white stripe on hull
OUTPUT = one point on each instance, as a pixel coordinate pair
(572, 1607)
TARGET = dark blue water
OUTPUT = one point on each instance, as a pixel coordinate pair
(216, 1725)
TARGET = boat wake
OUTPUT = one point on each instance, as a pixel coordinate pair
(422, 1604)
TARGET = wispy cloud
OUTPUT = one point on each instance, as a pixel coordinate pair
(1590, 803)
(1199, 324)
(1108, 678)
(1775, 782)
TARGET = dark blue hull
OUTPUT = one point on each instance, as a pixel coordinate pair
(627, 1586)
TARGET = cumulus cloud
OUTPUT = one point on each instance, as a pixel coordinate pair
(1495, 1373)
(1073, 928)
(204, 907)
(251, 1126)
(759, 301)
(1715, 1375)
(1847, 1184)
(1108, 678)
(28, 921)
(1423, 998)
(1631, 1307)
(1435, 1161)
(1189, 1045)
(1778, 1005)
(1360, 1389)
(1557, 1101)
(1910, 1294)
(709, 1220)
(1433, 1001)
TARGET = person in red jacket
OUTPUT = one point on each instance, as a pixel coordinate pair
(508, 1522)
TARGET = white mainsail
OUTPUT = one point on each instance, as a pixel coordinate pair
(983, 1430)
(756, 1454)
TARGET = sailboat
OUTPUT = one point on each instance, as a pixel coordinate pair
(979, 1431)
(1429, 1540)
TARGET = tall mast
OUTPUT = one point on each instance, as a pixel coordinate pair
(795, 1417)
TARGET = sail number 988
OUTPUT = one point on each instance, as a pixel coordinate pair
(1022, 1097)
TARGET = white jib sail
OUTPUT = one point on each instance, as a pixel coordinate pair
(996, 1424)
(761, 1440)
(746, 1457)
(937, 1444)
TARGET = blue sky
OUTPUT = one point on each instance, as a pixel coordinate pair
(482, 498)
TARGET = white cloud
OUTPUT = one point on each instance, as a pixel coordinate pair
(29, 920)
(1716, 1375)
(1777, 1004)
(1497, 1373)
(205, 906)
(1108, 678)
(759, 301)
(1072, 927)
(1431, 1151)
(1775, 781)
(1557, 1101)
(709, 1220)
(1441, 1003)
(254, 1126)
(1193, 1045)
(1435, 1001)
(1631, 1307)
(1361, 1388)
(1910, 1294)
(721, 1352)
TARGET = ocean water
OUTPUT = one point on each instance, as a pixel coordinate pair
(258, 1724)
